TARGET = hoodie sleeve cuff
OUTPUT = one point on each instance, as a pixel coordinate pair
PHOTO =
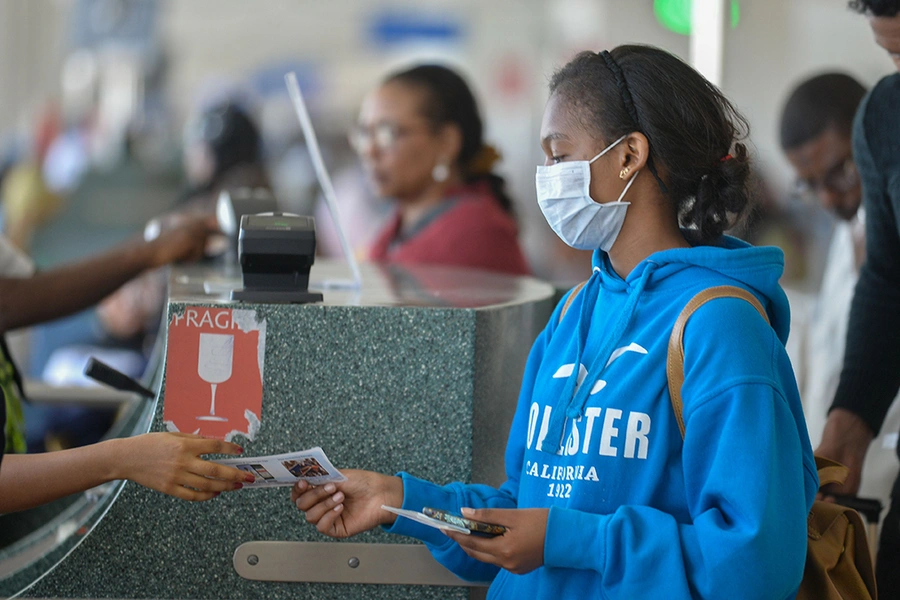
(418, 493)
(567, 529)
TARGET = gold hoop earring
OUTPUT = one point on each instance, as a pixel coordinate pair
(623, 173)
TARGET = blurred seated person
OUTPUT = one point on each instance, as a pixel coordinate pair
(419, 136)
(816, 127)
(28, 298)
(223, 150)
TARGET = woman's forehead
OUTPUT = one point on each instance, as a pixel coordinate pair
(561, 120)
(391, 100)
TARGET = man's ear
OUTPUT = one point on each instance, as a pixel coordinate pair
(635, 150)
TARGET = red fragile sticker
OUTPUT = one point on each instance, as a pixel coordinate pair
(214, 367)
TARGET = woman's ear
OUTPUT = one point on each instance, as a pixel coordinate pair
(451, 140)
(635, 151)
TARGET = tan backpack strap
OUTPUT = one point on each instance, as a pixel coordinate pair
(830, 471)
(675, 357)
(571, 297)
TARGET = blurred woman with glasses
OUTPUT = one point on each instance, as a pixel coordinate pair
(419, 137)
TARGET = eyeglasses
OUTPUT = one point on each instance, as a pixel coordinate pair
(839, 179)
(383, 136)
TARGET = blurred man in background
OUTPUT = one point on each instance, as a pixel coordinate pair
(816, 137)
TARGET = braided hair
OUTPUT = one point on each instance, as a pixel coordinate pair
(628, 102)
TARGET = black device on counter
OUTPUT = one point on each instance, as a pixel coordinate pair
(276, 252)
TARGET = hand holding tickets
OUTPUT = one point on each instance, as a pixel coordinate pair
(287, 469)
(520, 549)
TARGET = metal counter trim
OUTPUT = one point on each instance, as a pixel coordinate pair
(328, 562)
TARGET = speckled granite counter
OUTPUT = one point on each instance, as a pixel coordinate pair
(418, 371)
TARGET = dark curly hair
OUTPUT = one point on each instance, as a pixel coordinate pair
(690, 125)
(878, 8)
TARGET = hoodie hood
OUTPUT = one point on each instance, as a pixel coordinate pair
(758, 268)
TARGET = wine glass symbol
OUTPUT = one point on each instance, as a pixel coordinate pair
(214, 366)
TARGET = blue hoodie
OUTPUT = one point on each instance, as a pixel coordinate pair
(635, 512)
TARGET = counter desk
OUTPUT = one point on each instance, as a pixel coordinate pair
(418, 370)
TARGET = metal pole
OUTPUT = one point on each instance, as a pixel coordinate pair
(708, 18)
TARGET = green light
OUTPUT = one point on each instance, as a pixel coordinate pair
(675, 15)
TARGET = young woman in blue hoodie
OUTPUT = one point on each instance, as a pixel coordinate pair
(604, 498)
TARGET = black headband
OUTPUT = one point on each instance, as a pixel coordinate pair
(619, 75)
(630, 108)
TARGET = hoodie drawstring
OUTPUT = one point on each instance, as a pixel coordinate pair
(574, 401)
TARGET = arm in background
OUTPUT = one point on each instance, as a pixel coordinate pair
(70, 288)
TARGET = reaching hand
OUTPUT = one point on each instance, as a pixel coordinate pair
(846, 439)
(134, 307)
(346, 508)
(170, 463)
(520, 550)
(185, 241)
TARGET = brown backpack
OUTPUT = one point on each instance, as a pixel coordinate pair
(838, 561)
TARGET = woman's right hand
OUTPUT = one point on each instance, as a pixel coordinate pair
(346, 508)
(170, 463)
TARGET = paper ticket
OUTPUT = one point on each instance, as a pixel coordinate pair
(287, 469)
(425, 519)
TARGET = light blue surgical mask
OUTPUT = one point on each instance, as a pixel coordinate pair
(563, 193)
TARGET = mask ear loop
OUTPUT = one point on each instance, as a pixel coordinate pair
(607, 149)
(625, 191)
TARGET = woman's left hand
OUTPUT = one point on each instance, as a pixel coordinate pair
(520, 550)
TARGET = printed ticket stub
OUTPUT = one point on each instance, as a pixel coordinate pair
(425, 519)
(287, 469)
